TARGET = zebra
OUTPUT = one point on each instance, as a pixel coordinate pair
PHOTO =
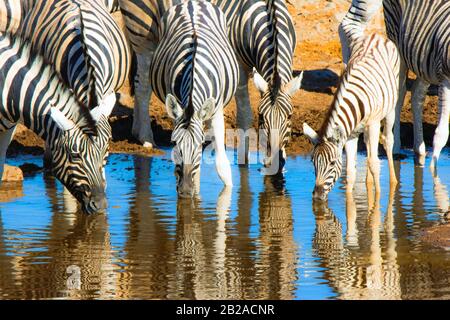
(263, 25)
(263, 36)
(196, 76)
(32, 93)
(419, 28)
(84, 43)
(367, 94)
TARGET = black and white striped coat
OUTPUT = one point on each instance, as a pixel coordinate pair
(263, 36)
(421, 31)
(367, 94)
(84, 43)
(196, 76)
(32, 93)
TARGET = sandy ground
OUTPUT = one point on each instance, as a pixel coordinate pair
(318, 53)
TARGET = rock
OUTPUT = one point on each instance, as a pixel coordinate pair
(12, 174)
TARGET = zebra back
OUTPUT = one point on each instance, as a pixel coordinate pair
(263, 35)
(85, 44)
(368, 89)
(195, 60)
(420, 30)
(142, 19)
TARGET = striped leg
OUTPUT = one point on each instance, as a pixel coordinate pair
(5, 140)
(351, 150)
(388, 138)
(419, 92)
(222, 163)
(442, 131)
(141, 120)
(244, 115)
(398, 108)
(371, 136)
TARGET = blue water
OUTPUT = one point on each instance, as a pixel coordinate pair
(264, 239)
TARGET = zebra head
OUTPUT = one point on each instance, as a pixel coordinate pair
(327, 159)
(188, 137)
(78, 158)
(275, 112)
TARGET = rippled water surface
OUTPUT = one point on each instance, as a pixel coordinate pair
(264, 239)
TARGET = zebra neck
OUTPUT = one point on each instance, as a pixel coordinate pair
(38, 119)
(342, 122)
(30, 88)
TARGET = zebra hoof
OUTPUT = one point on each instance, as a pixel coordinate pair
(148, 145)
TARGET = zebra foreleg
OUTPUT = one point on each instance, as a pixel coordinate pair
(419, 91)
(388, 137)
(442, 131)
(351, 150)
(5, 140)
(398, 108)
(244, 117)
(141, 119)
(372, 137)
(222, 163)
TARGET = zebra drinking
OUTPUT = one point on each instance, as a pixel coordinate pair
(420, 31)
(32, 93)
(196, 74)
(367, 94)
(263, 36)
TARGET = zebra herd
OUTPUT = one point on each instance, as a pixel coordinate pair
(61, 62)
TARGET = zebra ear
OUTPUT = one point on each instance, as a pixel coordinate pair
(311, 134)
(173, 108)
(61, 120)
(105, 108)
(294, 85)
(207, 110)
(259, 81)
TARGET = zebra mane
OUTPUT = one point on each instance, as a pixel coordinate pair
(190, 107)
(84, 120)
(276, 79)
(92, 95)
(323, 128)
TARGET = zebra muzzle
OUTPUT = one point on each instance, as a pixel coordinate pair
(320, 194)
(96, 203)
